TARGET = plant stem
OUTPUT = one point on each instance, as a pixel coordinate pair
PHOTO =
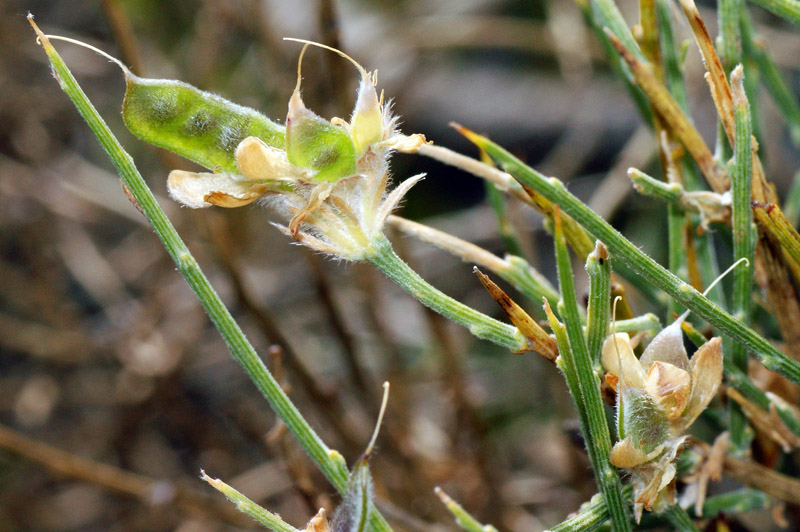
(599, 270)
(730, 47)
(646, 322)
(508, 235)
(329, 461)
(463, 518)
(591, 515)
(246, 506)
(776, 84)
(555, 191)
(788, 9)
(743, 238)
(578, 364)
(515, 270)
(485, 327)
(674, 81)
(595, 19)
(678, 518)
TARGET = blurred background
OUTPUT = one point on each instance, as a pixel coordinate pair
(115, 390)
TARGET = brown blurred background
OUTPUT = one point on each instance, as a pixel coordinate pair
(107, 358)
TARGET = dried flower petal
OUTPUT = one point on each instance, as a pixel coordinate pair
(258, 161)
(626, 455)
(621, 353)
(670, 386)
(706, 365)
(199, 190)
(318, 523)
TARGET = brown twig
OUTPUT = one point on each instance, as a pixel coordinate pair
(149, 490)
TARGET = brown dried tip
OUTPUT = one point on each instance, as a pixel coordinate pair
(600, 252)
(318, 523)
(737, 87)
(538, 339)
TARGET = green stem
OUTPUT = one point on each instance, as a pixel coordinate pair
(463, 518)
(791, 205)
(597, 16)
(788, 9)
(599, 270)
(776, 84)
(679, 519)
(730, 48)
(532, 284)
(673, 74)
(329, 461)
(578, 362)
(735, 502)
(485, 327)
(507, 234)
(555, 191)
(248, 507)
(646, 322)
(743, 239)
(591, 515)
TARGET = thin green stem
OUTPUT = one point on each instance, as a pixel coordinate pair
(599, 270)
(673, 75)
(329, 461)
(743, 238)
(788, 9)
(791, 205)
(774, 80)
(591, 515)
(479, 324)
(730, 47)
(577, 361)
(597, 16)
(497, 201)
(555, 191)
(646, 322)
(463, 518)
(735, 502)
(678, 518)
(248, 507)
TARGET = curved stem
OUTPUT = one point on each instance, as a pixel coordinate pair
(479, 324)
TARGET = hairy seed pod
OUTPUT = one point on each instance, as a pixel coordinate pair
(640, 418)
(203, 127)
(318, 145)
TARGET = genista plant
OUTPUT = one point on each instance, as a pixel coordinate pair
(330, 180)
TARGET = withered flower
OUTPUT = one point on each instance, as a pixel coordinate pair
(658, 397)
(330, 177)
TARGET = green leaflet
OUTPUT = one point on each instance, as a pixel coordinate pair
(203, 127)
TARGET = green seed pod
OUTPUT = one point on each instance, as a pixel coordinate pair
(639, 417)
(195, 124)
(318, 145)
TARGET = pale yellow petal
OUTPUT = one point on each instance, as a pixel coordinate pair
(670, 386)
(626, 455)
(631, 371)
(406, 143)
(318, 523)
(198, 190)
(706, 368)
(258, 161)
